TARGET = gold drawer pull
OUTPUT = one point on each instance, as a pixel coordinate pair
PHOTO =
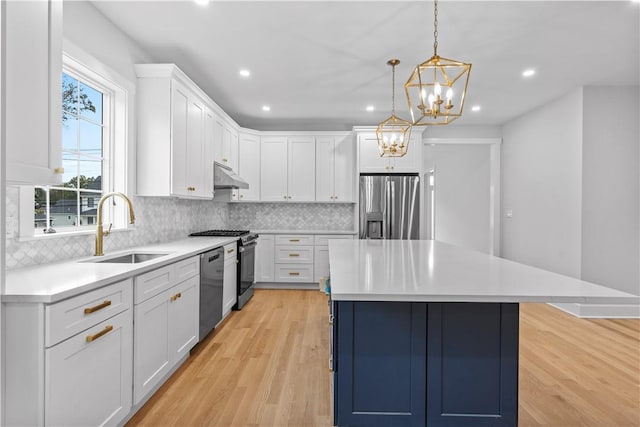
(90, 310)
(294, 255)
(294, 273)
(58, 170)
(106, 330)
(230, 251)
(176, 296)
(294, 240)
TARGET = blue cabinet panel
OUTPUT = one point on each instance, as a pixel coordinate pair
(381, 364)
(472, 364)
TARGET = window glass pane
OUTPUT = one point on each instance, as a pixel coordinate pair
(69, 95)
(70, 134)
(88, 207)
(90, 103)
(90, 174)
(70, 165)
(64, 208)
(39, 208)
(90, 139)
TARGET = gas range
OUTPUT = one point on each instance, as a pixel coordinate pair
(245, 235)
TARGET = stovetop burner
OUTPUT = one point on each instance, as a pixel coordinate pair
(221, 233)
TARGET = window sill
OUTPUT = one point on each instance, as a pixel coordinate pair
(84, 232)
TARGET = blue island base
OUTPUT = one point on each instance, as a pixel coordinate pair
(425, 364)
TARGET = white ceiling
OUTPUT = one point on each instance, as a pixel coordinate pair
(319, 64)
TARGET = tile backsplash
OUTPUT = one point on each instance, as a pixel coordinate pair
(292, 216)
(157, 220)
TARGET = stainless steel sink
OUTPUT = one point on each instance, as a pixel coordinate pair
(132, 258)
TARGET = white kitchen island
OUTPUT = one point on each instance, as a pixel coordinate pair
(426, 333)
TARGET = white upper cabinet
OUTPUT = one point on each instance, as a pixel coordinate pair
(371, 162)
(249, 165)
(302, 169)
(273, 169)
(226, 143)
(33, 94)
(287, 169)
(174, 128)
(334, 169)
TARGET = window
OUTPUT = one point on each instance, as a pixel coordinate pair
(84, 132)
(94, 131)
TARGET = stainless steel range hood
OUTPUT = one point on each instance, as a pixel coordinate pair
(225, 178)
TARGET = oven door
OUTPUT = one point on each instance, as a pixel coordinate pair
(246, 272)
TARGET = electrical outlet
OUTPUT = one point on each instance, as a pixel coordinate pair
(509, 213)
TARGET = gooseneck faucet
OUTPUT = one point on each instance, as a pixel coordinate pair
(100, 233)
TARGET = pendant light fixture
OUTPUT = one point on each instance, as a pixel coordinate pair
(437, 87)
(393, 133)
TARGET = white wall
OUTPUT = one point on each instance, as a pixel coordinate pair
(610, 188)
(541, 185)
(461, 131)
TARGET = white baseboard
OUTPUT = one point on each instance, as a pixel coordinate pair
(621, 311)
(282, 285)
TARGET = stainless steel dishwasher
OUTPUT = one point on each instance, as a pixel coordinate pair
(211, 278)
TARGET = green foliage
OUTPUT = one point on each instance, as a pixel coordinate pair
(71, 102)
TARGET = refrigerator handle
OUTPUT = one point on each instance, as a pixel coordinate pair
(388, 210)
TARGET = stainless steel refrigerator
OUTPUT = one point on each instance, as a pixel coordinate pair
(390, 206)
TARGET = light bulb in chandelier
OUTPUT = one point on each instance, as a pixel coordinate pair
(393, 132)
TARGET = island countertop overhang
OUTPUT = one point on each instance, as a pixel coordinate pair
(432, 271)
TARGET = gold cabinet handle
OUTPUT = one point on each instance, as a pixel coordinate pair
(242, 196)
(191, 188)
(224, 160)
(230, 251)
(294, 255)
(106, 330)
(285, 197)
(294, 240)
(90, 310)
(294, 273)
(176, 296)
(58, 170)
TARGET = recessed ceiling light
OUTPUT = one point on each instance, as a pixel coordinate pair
(244, 72)
(528, 73)
(201, 2)
(370, 108)
(266, 108)
(475, 108)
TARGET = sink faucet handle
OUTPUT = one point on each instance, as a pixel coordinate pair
(106, 233)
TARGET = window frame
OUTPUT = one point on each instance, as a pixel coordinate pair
(114, 153)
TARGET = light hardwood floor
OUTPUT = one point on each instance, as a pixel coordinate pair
(268, 366)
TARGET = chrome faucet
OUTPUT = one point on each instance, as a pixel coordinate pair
(100, 233)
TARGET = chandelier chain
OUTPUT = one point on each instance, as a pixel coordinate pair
(435, 27)
(393, 90)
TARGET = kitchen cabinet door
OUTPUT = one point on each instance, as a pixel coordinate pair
(321, 262)
(273, 169)
(230, 280)
(151, 359)
(265, 256)
(33, 99)
(410, 162)
(301, 169)
(197, 181)
(325, 169)
(179, 118)
(209, 148)
(370, 160)
(218, 138)
(249, 166)
(344, 169)
(88, 382)
(184, 309)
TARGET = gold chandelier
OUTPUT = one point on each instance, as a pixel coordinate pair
(436, 88)
(393, 133)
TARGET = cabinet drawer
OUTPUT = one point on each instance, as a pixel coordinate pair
(323, 239)
(306, 239)
(152, 283)
(187, 268)
(294, 254)
(68, 317)
(294, 273)
(230, 251)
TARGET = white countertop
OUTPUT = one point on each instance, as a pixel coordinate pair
(305, 231)
(426, 270)
(49, 283)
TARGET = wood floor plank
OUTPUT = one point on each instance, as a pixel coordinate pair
(267, 366)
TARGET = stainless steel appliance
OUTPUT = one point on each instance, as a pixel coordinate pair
(211, 278)
(246, 261)
(389, 206)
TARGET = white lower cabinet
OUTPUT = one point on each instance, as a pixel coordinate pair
(88, 383)
(230, 280)
(321, 256)
(264, 258)
(165, 324)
